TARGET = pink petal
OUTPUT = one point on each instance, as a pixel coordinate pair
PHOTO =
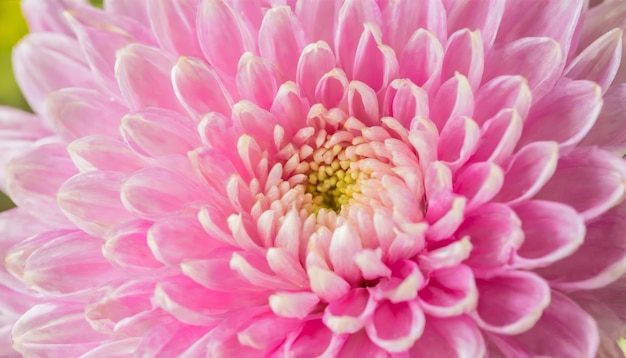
(92, 201)
(119, 348)
(564, 330)
(402, 285)
(174, 25)
(315, 60)
(421, 60)
(267, 332)
(39, 61)
(25, 185)
(495, 232)
(325, 283)
(352, 15)
(257, 80)
(498, 138)
(135, 9)
(396, 326)
(199, 88)
(371, 265)
(157, 192)
(402, 19)
(350, 313)
(454, 99)
(608, 131)
(289, 108)
(359, 345)
(374, 64)
(126, 247)
(281, 38)
(464, 54)
(332, 88)
(55, 329)
(458, 141)
(293, 304)
(599, 62)
(528, 171)
(500, 93)
(552, 231)
(319, 18)
(254, 269)
(479, 183)
(79, 112)
(178, 238)
(362, 103)
(313, 339)
(600, 260)
(449, 292)
(215, 273)
(47, 15)
(92, 153)
(157, 132)
(449, 337)
(538, 59)
(485, 16)
(564, 115)
(596, 176)
(448, 256)
(143, 76)
(344, 244)
(512, 302)
(223, 48)
(404, 101)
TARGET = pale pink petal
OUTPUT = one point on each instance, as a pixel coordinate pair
(257, 80)
(479, 183)
(174, 25)
(485, 16)
(289, 108)
(47, 15)
(511, 303)
(126, 247)
(55, 329)
(608, 131)
(362, 103)
(332, 88)
(143, 76)
(92, 201)
(564, 330)
(449, 292)
(595, 175)
(223, 48)
(325, 283)
(120, 348)
(454, 99)
(267, 332)
(344, 244)
(500, 93)
(318, 18)
(458, 142)
(316, 59)
(422, 59)
(402, 285)
(281, 38)
(293, 304)
(464, 54)
(564, 115)
(404, 101)
(498, 137)
(199, 88)
(135, 9)
(448, 256)
(103, 153)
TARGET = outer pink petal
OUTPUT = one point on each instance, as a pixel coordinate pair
(350, 313)
(464, 54)
(449, 337)
(313, 339)
(421, 60)
(498, 137)
(359, 345)
(126, 247)
(92, 201)
(552, 231)
(609, 132)
(293, 304)
(454, 98)
(595, 176)
(500, 93)
(104, 153)
(319, 18)
(55, 330)
(512, 302)
(135, 9)
(257, 80)
(485, 16)
(564, 330)
(47, 15)
(174, 25)
(479, 183)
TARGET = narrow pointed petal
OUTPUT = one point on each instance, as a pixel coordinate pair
(454, 99)
(421, 60)
(404, 101)
(464, 54)
(458, 141)
(498, 137)
(374, 64)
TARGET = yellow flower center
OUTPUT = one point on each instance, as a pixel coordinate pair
(332, 185)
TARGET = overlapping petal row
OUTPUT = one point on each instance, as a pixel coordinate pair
(316, 178)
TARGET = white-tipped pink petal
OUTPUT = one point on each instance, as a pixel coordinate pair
(362, 103)
(484, 16)
(552, 231)
(174, 25)
(404, 101)
(257, 80)
(199, 88)
(143, 74)
(512, 302)
(344, 244)
(374, 64)
(465, 55)
(564, 115)
(293, 304)
(449, 292)
(328, 285)
(92, 201)
(450, 337)
(371, 265)
(39, 60)
(331, 89)
(538, 59)
(528, 170)
(479, 183)
(350, 313)
(103, 153)
(51, 329)
(564, 330)
(500, 93)
(600, 260)
(359, 345)
(498, 137)
(267, 332)
(453, 99)
(459, 140)
(447, 256)
(316, 59)
(396, 326)
(402, 285)
(223, 48)
(587, 170)
(421, 60)
(78, 112)
(600, 61)
(126, 247)
(281, 39)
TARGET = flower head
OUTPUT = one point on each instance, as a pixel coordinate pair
(316, 178)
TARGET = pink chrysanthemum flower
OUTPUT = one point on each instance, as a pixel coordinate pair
(307, 178)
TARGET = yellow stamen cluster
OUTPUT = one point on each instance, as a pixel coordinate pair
(332, 185)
